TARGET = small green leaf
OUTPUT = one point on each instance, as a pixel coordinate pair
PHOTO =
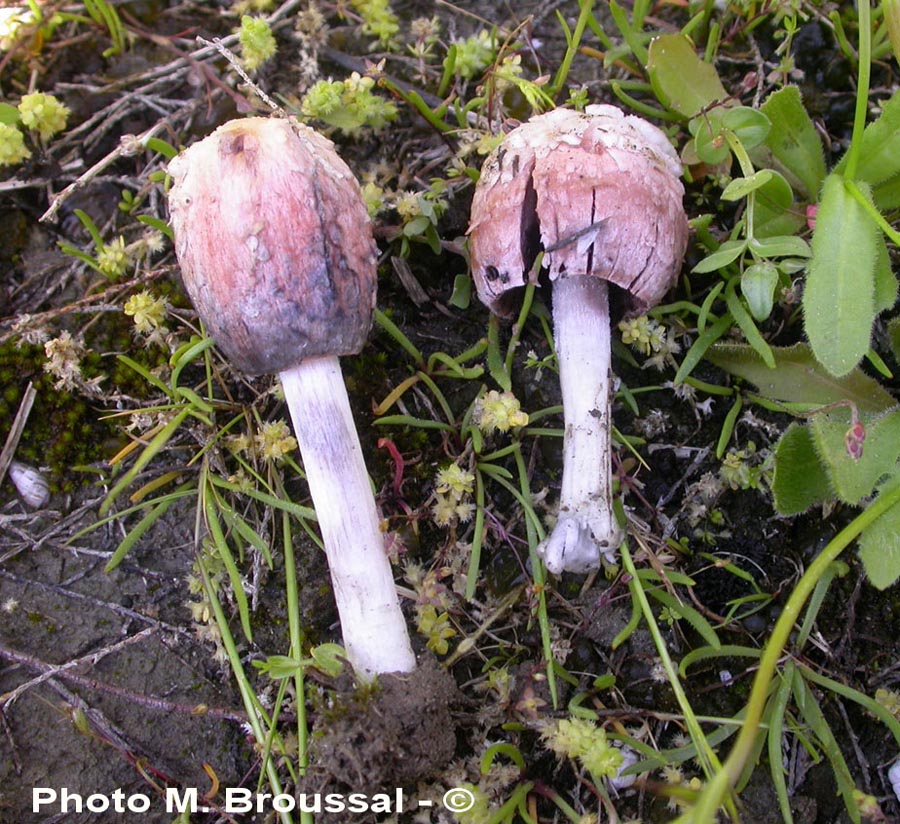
(780, 246)
(793, 140)
(750, 126)
(682, 611)
(727, 253)
(851, 479)
(682, 81)
(799, 378)
(887, 194)
(885, 279)
(800, 481)
(742, 186)
(879, 547)
(9, 115)
(839, 298)
(747, 326)
(700, 346)
(167, 150)
(758, 284)
(710, 143)
(879, 156)
(775, 212)
(157, 223)
(495, 360)
(279, 667)
(462, 292)
(329, 658)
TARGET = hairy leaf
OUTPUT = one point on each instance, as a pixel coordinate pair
(758, 282)
(793, 140)
(851, 479)
(775, 212)
(885, 279)
(839, 299)
(879, 157)
(798, 378)
(879, 548)
(680, 79)
(800, 480)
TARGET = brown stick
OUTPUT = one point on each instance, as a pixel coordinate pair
(48, 671)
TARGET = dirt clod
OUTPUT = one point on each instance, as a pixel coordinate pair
(392, 735)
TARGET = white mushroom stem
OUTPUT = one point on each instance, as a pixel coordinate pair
(372, 624)
(586, 529)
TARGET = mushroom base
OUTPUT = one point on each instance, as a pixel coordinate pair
(393, 733)
(586, 530)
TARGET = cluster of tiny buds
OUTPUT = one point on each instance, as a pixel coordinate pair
(853, 440)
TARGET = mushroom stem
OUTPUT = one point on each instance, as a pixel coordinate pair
(586, 528)
(372, 623)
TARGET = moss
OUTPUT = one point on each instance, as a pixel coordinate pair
(63, 429)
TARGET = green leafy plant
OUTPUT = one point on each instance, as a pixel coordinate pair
(257, 42)
(41, 114)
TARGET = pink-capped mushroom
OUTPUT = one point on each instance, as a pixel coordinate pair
(599, 194)
(277, 253)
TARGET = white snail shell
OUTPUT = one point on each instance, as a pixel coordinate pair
(894, 778)
(619, 781)
(30, 484)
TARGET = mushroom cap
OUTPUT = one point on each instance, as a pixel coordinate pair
(275, 244)
(599, 192)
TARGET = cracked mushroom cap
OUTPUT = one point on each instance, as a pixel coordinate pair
(598, 192)
(275, 244)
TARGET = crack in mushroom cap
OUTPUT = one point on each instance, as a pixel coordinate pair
(275, 244)
(598, 192)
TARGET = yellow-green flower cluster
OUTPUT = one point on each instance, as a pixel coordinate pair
(643, 334)
(474, 54)
(43, 113)
(373, 196)
(453, 486)
(477, 809)
(348, 105)
(37, 112)
(378, 19)
(12, 146)
(435, 626)
(498, 411)
(113, 258)
(890, 700)
(274, 441)
(257, 42)
(581, 739)
(147, 311)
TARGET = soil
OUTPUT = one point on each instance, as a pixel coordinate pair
(108, 680)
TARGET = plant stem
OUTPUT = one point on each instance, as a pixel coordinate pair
(586, 529)
(714, 793)
(256, 716)
(295, 632)
(705, 754)
(862, 88)
(372, 623)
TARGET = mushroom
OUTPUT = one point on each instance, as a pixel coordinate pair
(599, 194)
(277, 253)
